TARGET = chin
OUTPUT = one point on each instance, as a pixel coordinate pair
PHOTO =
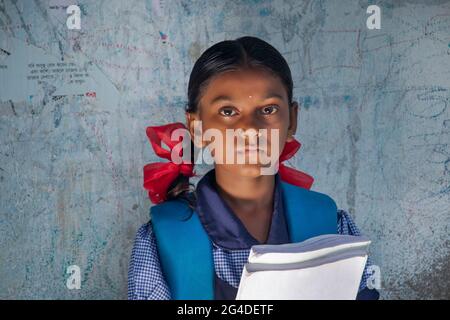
(246, 170)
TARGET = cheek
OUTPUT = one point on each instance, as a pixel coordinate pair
(279, 126)
(279, 134)
(277, 142)
(212, 121)
(284, 125)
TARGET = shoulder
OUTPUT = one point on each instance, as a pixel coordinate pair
(144, 233)
(308, 197)
(144, 241)
(177, 209)
(313, 213)
(346, 225)
(145, 277)
(144, 255)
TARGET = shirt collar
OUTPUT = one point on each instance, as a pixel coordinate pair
(224, 227)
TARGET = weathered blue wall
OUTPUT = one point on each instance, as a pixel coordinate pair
(374, 124)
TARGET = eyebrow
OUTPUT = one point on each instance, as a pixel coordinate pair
(228, 98)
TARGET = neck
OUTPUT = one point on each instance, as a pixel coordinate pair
(246, 195)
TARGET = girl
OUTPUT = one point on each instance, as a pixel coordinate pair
(197, 241)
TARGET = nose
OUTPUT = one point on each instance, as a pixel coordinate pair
(249, 132)
(248, 127)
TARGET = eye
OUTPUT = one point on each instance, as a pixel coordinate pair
(271, 109)
(227, 111)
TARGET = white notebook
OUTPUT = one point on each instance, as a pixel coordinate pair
(326, 267)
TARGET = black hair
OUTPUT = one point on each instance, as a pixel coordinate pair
(229, 55)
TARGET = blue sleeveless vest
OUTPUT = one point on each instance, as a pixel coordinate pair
(185, 250)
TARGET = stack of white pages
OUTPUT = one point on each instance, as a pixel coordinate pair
(327, 267)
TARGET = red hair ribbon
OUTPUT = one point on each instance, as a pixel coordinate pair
(159, 175)
(290, 175)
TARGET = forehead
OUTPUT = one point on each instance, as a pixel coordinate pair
(243, 83)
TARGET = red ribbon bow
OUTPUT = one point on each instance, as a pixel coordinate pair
(158, 176)
(290, 175)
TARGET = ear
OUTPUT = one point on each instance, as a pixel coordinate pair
(190, 118)
(293, 113)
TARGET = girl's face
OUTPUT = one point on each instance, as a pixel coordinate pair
(245, 99)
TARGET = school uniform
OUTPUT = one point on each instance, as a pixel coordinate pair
(231, 243)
